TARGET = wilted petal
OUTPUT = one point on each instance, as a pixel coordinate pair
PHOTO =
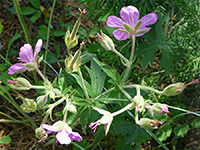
(130, 15)
(75, 136)
(148, 20)
(26, 53)
(114, 21)
(120, 35)
(63, 137)
(49, 128)
(16, 68)
(38, 46)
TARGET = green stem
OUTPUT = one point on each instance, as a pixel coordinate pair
(37, 87)
(19, 14)
(143, 87)
(42, 76)
(83, 84)
(155, 138)
(122, 110)
(48, 33)
(120, 55)
(126, 94)
(130, 61)
(107, 91)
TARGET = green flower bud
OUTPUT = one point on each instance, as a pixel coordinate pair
(174, 89)
(149, 123)
(20, 84)
(105, 41)
(41, 100)
(139, 103)
(72, 108)
(28, 105)
(40, 133)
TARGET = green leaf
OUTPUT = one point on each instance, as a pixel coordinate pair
(165, 60)
(88, 86)
(1, 27)
(111, 72)
(35, 3)
(196, 122)
(5, 140)
(43, 32)
(36, 16)
(97, 77)
(84, 119)
(164, 132)
(51, 58)
(181, 130)
(82, 32)
(27, 10)
(58, 33)
(2, 67)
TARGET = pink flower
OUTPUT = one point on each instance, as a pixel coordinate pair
(26, 57)
(64, 133)
(164, 109)
(130, 16)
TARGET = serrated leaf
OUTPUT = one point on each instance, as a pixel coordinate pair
(111, 72)
(181, 130)
(196, 122)
(28, 10)
(35, 3)
(165, 60)
(5, 140)
(164, 132)
(58, 33)
(35, 17)
(122, 145)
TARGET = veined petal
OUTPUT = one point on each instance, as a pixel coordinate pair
(148, 20)
(114, 21)
(38, 46)
(75, 136)
(130, 15)
(49, 128)
(120, 35)
(26, 53)
(16, 68)
(63, 137)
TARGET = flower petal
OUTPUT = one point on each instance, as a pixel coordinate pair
(114, 21)
(148, 20)
(120, 35)
(26, 53)
(38, 46)
(16, 68)
(63, 137)
(49, 128)
(130, 15)
(75, 136)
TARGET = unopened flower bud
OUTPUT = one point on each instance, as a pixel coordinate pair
(149, 123)
(41, 100)
(20, 84)
(41, 134)
(28, 105)
(139, 103)
(72, 108)
(174, 89)
(105, 41)
(157, 109)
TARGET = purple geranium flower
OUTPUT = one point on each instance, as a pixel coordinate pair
(26, 57)
(64, 133)
(130, 16)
